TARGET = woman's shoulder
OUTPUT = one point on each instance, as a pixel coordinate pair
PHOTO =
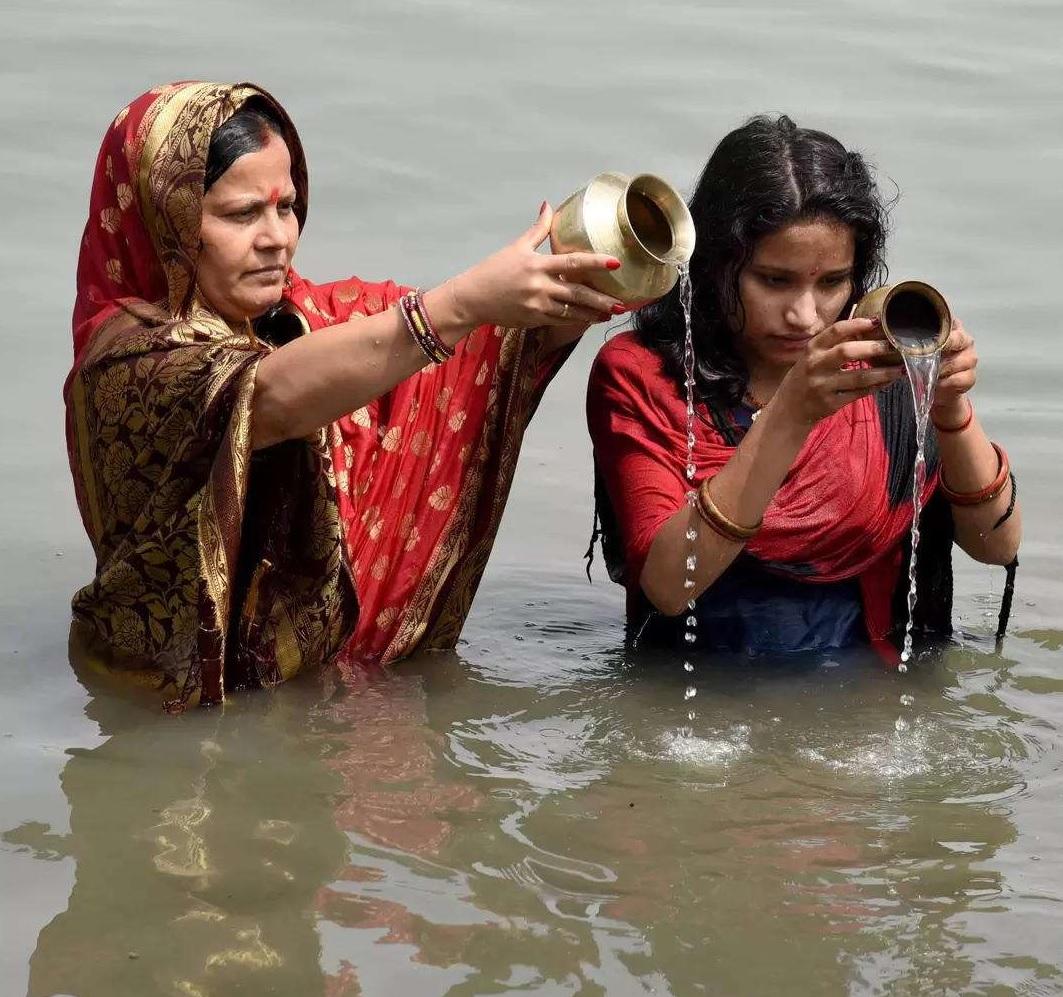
(625, 357)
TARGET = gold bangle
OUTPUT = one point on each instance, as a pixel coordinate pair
(727, 528)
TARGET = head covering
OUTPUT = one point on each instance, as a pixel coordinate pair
(141, 240)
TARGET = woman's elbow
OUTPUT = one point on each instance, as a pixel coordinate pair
(663, 598)
(1000, 549)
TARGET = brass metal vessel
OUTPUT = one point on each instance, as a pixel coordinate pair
(915, 316)
(640, 220)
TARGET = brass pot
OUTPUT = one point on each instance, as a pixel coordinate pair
(640, 220)
(915, 316)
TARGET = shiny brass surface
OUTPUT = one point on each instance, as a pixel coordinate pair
(915, 316)
(640, 220)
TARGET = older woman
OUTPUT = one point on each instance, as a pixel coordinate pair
(260, 499)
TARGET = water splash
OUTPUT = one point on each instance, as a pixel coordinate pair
(922, 376)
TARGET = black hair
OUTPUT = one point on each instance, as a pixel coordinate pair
(246, 131)
(761, 177)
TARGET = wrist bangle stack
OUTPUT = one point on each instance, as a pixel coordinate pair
(726, 528)
(983, 495)
(411, 308)
(961, 427)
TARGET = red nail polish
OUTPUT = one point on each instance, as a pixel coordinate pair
(618, 309)
(612, 265)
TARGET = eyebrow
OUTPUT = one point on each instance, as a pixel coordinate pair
(246, 204)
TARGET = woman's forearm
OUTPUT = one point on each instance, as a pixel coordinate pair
(968, 464)
(314, 380)
(742, 490)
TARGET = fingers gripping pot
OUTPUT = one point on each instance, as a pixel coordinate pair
(915, 316)
(640, 220)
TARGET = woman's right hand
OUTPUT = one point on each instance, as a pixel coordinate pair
(846, 361)
(520, 288)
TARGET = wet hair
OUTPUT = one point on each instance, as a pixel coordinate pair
(761, 177)
(248, 130)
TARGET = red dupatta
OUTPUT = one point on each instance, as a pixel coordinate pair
(832, 518)
(423, 473)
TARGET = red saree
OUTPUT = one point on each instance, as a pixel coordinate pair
(833, 518)
(217, 567)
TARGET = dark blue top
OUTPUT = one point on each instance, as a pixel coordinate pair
(751, 610)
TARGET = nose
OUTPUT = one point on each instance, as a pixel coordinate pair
(801, 312)
(272, 233)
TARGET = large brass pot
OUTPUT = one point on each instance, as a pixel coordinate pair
(640, 220)
(915, 316)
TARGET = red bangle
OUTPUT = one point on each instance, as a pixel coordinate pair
(987, 494)
(962, 426)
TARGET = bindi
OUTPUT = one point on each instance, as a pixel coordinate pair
(274, 196)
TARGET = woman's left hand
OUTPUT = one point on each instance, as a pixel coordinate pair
(957, 375)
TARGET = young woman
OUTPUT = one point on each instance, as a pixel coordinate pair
(804, 430)
(258, 499)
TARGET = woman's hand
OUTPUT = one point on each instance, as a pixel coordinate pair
(520, 288)
(956, 377)
(846, 361)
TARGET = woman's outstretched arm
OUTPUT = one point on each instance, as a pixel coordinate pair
(312, 381)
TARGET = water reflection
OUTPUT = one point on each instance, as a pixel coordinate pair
(464, 824)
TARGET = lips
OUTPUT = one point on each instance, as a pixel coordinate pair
(265, 271)
(792, 342)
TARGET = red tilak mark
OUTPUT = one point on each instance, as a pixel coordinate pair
(274, 196)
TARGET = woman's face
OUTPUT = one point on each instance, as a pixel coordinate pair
(796, 284)
(249, 233)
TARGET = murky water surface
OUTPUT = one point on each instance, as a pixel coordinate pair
(524, 814)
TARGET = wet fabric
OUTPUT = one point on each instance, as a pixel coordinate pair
(217, 567)
(842, 515)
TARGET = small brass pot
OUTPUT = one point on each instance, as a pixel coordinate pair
(640, 220)
(915, 316)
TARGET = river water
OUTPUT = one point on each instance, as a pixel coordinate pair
(522, 814)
